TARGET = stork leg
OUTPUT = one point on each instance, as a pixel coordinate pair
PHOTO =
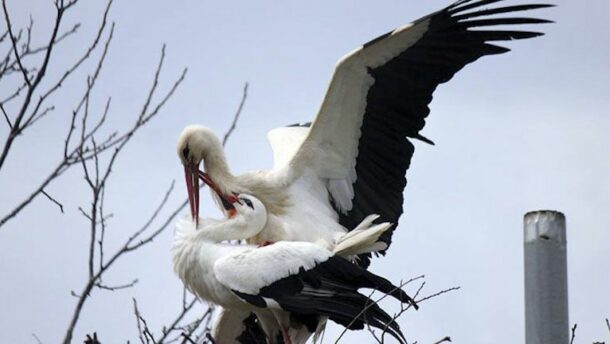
(283, 329)
(285, 334)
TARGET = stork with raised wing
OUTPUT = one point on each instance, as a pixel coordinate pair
(283, 283)
(352, 161)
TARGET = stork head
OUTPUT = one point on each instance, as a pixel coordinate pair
(252, 210)
(196, 144)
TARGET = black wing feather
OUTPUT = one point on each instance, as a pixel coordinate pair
(397, 102)
(331, 289)
(253, 332)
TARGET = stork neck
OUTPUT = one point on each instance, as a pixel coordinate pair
(237, 228)
(215, 164)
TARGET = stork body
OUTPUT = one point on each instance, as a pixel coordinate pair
(239, 323)
(196, 250)
(292, 280)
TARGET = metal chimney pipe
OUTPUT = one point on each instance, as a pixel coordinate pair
(546, 281)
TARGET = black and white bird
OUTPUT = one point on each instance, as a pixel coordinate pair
(352, 161)
(283, 283)
(255, 327)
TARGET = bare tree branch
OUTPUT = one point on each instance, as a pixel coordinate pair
(236, 116)
(8, 120)
(446, 339)
(84, 146)
(145, 335)
(15, 131)
(14, 42)
(573, 333)
(404, 307)
(36, 338)
(61, 207)
(117, 287)
(372, 302)
(73, 158)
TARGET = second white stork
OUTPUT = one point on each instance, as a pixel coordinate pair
(295, 281)
(353, 159)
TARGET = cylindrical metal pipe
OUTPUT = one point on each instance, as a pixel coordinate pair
(546, 281)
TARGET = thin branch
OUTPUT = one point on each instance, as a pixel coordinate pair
(36, 338)
(78, 155)
(14, 95)
(236, 116)
(17, 127)
(367, 306)
(178, 319)
(444, 291)
(36, 117)
(8, 121)
(83, 58)
(187, 339)
(148, 336)
(117, 287)
(61, 207)
(14, 43)
(103, 268)
(446, 339)
(573, 333)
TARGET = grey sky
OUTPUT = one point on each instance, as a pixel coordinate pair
(517, 132)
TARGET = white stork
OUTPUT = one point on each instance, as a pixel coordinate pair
(353, 159)
(294, 281)
(242, 325)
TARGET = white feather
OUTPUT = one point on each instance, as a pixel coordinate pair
(363, 239)
(285, 142)
(249, 271)
(331, 147)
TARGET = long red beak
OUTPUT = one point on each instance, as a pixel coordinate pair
(230, 199)
(192, 186)
(192, 174)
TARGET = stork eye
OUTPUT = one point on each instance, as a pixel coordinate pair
(248, 202)
(186, 151)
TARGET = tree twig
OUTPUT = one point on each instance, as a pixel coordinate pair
(14, 44)
(32, 85)
(373, 302)
(236, 116)
(61, 207)
(446, 339)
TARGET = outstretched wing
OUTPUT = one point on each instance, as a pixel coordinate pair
(285, 142)
(309, 282)
(359, 145)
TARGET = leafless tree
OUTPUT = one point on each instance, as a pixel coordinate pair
(26, 102)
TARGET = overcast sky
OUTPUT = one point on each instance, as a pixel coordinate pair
(518, 132)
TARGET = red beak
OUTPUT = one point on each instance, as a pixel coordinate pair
(230, 199)
(192, 186)
(192, 174)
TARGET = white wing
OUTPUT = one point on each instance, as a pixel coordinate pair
(378, 97)
(285, 142)
(251, 270)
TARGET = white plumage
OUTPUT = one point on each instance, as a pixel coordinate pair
(246, 279)
(328, 179)
(351, 162)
